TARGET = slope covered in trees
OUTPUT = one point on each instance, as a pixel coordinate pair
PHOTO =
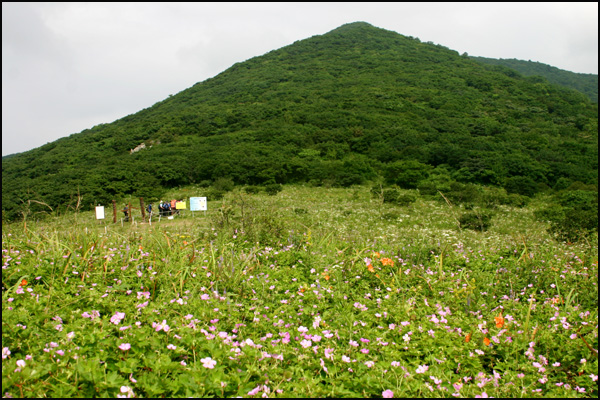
(342, 108)
(585, 83)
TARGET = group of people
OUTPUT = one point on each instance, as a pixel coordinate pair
(165, 208)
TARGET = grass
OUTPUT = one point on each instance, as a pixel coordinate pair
(313, 292)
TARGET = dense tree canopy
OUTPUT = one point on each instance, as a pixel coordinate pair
(340, 108)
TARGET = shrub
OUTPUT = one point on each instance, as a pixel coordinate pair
(223, 184)
(522, 185)
(475, 220)
(463, 193)
(574, 217)
(214, 194)
(252, 189)
(273, 189)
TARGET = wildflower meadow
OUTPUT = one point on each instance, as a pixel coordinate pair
(310, 292)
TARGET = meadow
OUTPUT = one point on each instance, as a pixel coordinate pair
(312, 292)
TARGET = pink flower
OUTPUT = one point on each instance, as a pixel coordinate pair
(124, 346)
(162, 326)
(171, 347)
(21, 363)
(117, 318)
(323, 365)
(422, 369)
(254, 391)
(387, 394)
(329, 353)
(208, 363)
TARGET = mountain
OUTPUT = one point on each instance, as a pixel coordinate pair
(341, 108)
(585, 83)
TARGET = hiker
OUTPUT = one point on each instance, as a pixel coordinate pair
(126, 212)
(149, 210)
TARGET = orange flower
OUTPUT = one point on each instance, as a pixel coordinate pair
(370, 268)
(499, 321)
(468, 338)
(326, 277)
(376, 255)
(23, 283)
(387, 261)
(486, 341)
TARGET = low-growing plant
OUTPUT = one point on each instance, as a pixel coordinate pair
(255, 299)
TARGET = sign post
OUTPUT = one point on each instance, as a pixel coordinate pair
(198, 204)
(100, 212)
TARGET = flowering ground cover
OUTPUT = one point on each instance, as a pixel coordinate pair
(313, 292)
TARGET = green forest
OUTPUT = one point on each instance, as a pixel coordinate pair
(585, 83)
(356, 105)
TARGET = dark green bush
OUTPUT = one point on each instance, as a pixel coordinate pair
(573, 216)
(475, 220)
(463, 193)
(252, 189)
(273, 189)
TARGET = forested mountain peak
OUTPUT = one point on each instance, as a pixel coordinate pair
(340, 108)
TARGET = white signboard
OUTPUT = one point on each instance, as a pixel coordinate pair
(100, 212)
(198, 204)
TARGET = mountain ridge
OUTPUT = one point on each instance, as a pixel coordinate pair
(584, 83)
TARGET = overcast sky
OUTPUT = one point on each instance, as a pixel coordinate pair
(69, 66)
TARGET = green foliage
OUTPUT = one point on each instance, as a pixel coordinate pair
(273, 189)
(307, 294)
(406, 174)
(574, 216)
(223, 184)
(252, 189)
(336, 110)
(585, 83)
(522, 185)
(476, 220)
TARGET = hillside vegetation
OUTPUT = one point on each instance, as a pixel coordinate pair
(354, 105)
(585, 83)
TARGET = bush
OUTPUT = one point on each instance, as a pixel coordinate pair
(252, 189)
(522, 185)
(214, 194)
(223, 184)
(273, 189)
(574, 217)
(475, 220)
(463, 193)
